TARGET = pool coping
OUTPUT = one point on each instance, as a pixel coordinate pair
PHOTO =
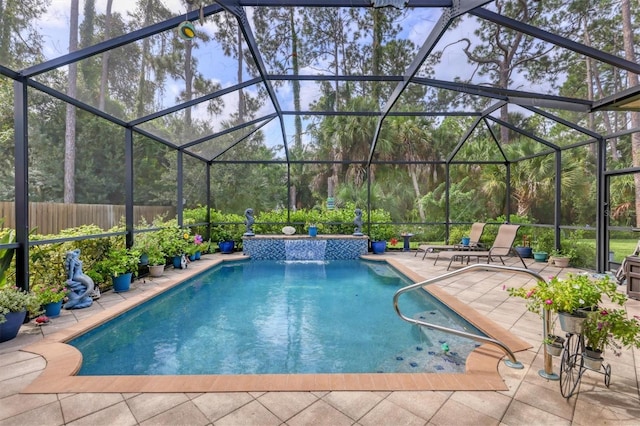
(63, 361)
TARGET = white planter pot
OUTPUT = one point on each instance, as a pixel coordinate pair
(156, 270)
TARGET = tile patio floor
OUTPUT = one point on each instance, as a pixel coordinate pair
(529, 400)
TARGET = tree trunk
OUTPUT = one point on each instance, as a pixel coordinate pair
(142, 81)
(416, 189)
(104, 76)
(627, 34)
(241, 104)
(70, 131)
(296, 105)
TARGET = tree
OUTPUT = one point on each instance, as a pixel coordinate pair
(70, 133)
(278, 35)
(503, 53)
(104, 74)
(20, 17)
(629, 43)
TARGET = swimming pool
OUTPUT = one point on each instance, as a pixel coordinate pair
(260, 317)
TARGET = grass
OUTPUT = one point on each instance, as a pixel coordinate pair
(622, 248)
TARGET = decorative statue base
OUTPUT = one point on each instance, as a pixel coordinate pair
(81, 288)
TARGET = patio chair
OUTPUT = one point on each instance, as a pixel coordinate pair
(502, 247)
(474, 242)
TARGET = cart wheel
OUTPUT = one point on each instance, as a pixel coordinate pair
(607, 375)
(570, 366)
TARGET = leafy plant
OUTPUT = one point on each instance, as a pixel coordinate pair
(612, 329)
(570, 253)
(7, 236)
(50, 293)
(568, 295)
(173, 240)
(223, 234)
(12, 299)
(119, 261)
(380, 228)
(156, 256)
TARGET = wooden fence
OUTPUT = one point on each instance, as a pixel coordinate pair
(51, 218)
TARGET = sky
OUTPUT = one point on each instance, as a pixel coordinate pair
(416, 26)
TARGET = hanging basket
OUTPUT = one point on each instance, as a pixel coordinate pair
(571, 323)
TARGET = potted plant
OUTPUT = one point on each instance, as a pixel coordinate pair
(157, 260)
(312, 229)
(14, 305)
(174, 242)
(121, 264)
(525, 250)
(608, 328)
(540, 253)
(47, 277)
(145, 242)
(50, 297)
(562, 258)
(379, 234)
(197, 242)
(226, 243)
(554, 344)
(571, 298)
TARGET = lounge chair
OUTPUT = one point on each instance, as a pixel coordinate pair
(474, 242)
(502, 247)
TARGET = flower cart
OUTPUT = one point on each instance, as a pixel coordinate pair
(590, 328)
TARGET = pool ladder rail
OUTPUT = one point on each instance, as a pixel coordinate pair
(512, 361)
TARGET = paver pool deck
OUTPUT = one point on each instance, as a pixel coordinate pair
(41, 390)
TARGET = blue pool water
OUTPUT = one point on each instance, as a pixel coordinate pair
(258, 317)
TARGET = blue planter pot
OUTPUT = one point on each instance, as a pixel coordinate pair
(465, 241)
(313, 231)
(9, 329)
(378, 247)
(524, 252)
(192, 257)
(52, 309)
(197, 255)
(144, 259)
(122, 282)
(177, 262)
(226, 247)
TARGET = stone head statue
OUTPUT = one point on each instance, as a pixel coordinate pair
(358, 222)
(248, 221)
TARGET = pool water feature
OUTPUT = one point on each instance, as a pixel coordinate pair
(305, 249)
(259, 317)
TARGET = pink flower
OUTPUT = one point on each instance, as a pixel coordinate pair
(604, 312)
(549, 302)
(530, 293)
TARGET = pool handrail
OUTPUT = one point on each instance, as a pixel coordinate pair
(512, 361)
